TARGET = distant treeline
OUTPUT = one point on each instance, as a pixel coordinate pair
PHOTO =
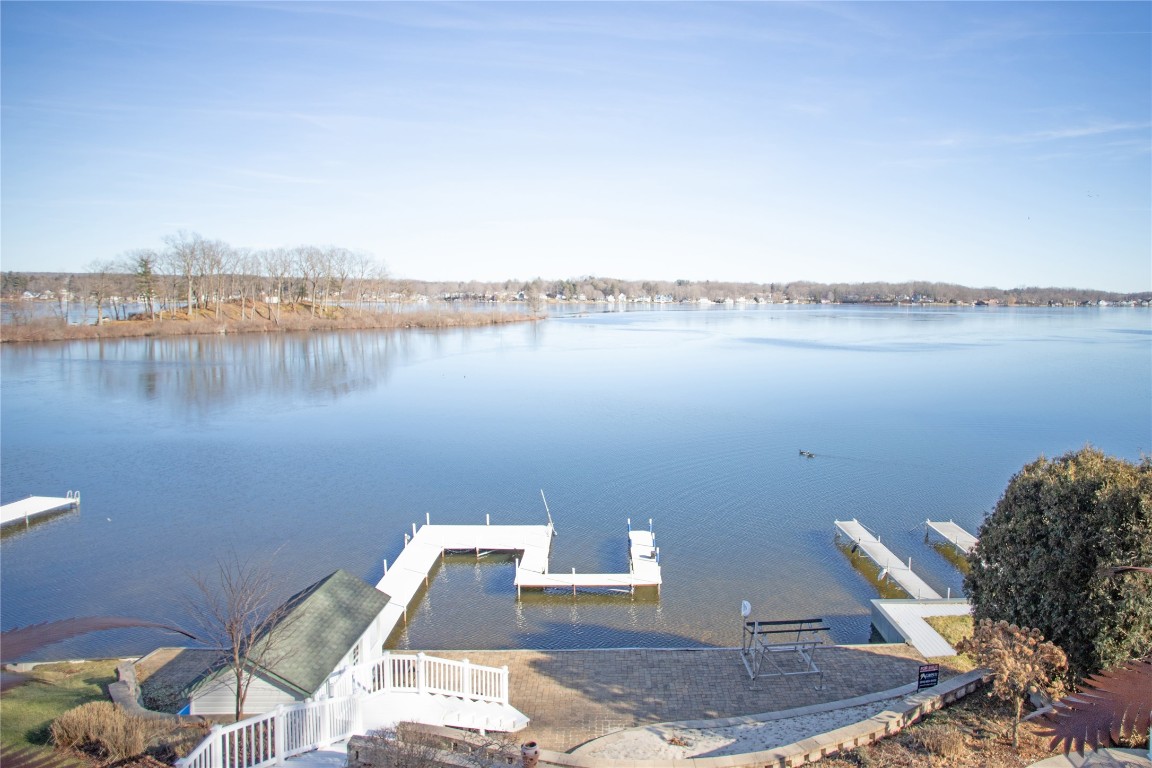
(193, 272)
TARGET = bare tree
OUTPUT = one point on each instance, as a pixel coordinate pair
(1020, 659)
(100, 274)
(277, 265)
(183, 258)
(235, 607)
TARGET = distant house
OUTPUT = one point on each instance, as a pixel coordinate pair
(328, 626)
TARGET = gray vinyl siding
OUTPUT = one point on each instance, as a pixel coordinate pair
(218, 697)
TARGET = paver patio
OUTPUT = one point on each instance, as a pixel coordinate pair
(575, 696)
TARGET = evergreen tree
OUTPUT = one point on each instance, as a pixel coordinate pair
(1048, 555)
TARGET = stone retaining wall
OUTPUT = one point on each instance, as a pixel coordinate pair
(126, 693)
(887, 723)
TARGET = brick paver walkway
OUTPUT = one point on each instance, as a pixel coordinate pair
(575, 696)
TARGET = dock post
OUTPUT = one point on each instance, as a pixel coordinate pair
(573, 583)
(413, 530)
(487, 519)
(385, 566)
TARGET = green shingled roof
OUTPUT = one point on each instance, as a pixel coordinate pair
(320, 627)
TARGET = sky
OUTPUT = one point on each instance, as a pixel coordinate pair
(990, 144)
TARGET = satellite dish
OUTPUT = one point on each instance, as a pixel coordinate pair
(745, 608)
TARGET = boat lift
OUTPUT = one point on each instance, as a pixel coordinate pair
(763, 641)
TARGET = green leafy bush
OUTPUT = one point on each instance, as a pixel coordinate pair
(1051, 554)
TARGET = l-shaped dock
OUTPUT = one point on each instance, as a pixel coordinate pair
(428, 543)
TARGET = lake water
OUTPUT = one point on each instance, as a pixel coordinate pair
(319, 451)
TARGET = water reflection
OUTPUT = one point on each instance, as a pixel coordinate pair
(198, 376)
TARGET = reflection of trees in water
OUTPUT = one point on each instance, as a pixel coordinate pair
(212, 373)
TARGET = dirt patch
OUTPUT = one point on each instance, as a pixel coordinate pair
(973, 733)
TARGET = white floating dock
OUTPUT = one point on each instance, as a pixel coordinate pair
(33, 506)
(403, 578)
(954, 535)
(892, 567)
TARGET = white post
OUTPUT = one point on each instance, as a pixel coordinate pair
(216, 750)
(420, 682)
(467, 682)
(357, 724)
(504, 684)
(413, 530)
(487, 519)
(322, 726)
(278, 734)
(428, 518)
(385, 566)
(386, 678)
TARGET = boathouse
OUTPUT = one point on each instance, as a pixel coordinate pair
(334, 623)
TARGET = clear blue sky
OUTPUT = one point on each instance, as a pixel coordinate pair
(989, 144)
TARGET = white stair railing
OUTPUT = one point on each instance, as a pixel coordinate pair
(405, 672)
(271, 738)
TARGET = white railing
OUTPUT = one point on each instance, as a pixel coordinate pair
(289, 730)
(417, 673)
(271, 738)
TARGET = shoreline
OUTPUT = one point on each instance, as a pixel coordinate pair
(294, 320)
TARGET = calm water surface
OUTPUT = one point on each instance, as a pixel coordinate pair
(319, 451)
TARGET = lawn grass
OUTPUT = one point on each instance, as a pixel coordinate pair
(952, 628)
(27, 711)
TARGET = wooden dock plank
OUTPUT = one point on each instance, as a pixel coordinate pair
(954, 535)
(892, 566)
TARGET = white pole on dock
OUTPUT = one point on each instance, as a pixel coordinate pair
(413, 530)
(385, 566)
(487, 519)
(428, 518)
(547, 511)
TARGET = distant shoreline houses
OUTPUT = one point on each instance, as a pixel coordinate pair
(396, 298)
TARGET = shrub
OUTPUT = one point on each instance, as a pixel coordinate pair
(1056, 555)
(101, 729)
